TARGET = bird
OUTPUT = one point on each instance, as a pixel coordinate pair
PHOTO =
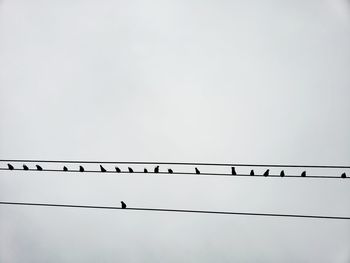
(39, 168)
(303, 174)
(197, 171)
(123, 205)
(25, 167)
(65, 168)
(81, 168)
(343, 175)
(10, 166)
(145, 170)
(117, 169)
(282, 173)
(102, 169)
(130, 170)
(170, 171)
(266, 173)
(233, 171)
(251, 172)
(156, 169)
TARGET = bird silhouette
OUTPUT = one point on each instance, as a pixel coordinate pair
(65, 168)
(25, 167)
(102, 169)
(170, 171)
(197, 171)
(266, 173)
(123, 205)
(282, 173)
(343, 175)
(156, 169)
(117, 169)
(251, 172)
(39, 168)
(130, 170)
(303, 174)
(81, 168)
(10, 166)
(145, 170)
(233, 171)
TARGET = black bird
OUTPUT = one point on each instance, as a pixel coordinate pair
(10, 166)
(130, 170)
(156, 169)
(117, 169)
(343, 175)
(197, 171)
(145, 170)
(39, 168)
(102, 169)
(266, 173)
(123, 205)
(81, 168)
(282, 173)
(233, 171)
(170, 171)
(303, 174)
(251, 172)
(65, 168)
(25, 167)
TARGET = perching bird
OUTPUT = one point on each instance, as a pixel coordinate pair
(25, 167)
(266, 173)
(233, 171)
(303, 174)
(117, 169)
(197, 171)
(10, 166)
(343, 175)
(251, 172)
(170, 171)
(65, 168)
(130, 170)
(102, 169)
(156, 169)
(39, 168)
(145, 170)
(282, 173)
(81, 168)
(123, 205)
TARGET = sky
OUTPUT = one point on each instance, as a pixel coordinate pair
(174, 81)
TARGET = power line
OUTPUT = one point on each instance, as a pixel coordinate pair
(178, 210)
(177, 173)
(181, 163)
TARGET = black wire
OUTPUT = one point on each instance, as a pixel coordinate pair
(178, 210)
(184, 163)
(178, 173)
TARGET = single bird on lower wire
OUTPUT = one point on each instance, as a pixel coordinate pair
(25, 167)
(252, 172)
(266, 173)
(156, 169)
(343, 175)
(102, 169)
(65, 168)
(233, 171)
(10, 166)
(282, 173)
(170, 171)
(145, 170)
(130, 170)
(303, 174)
(39, 168)
(197, 171)
(123, 205)
(81, 169)
(117, 169)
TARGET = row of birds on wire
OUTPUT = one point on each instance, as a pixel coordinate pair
(156, 170)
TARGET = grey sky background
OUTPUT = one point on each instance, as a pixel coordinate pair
(208, 81)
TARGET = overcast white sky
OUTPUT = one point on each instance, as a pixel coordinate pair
(211, 81)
